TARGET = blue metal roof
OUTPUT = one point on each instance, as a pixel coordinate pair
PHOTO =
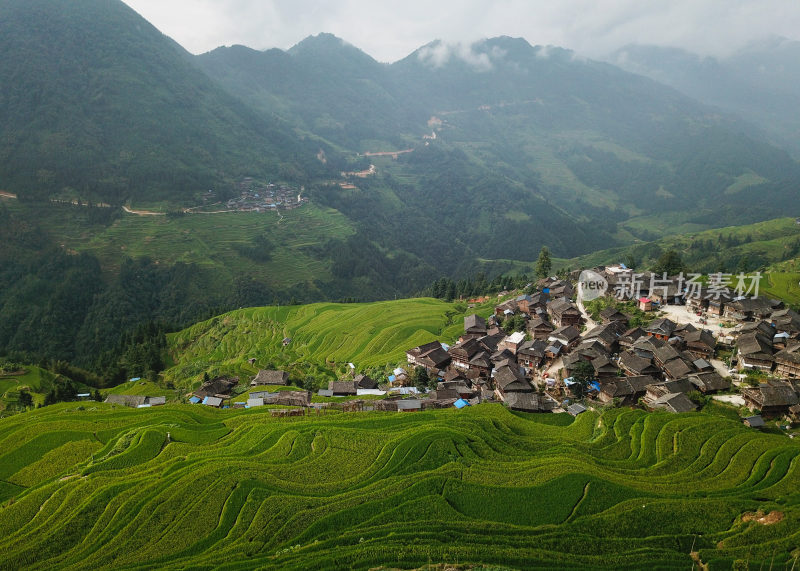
(194, 400)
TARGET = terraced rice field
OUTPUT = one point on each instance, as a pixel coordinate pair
(327, 335)
(108, 488)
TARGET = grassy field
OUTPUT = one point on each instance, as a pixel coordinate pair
(212, 241)
(35, 379)
(102, 487)
(324, 337)
(783, 285)
(141, 388)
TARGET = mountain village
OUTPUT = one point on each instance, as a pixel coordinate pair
(686, 345)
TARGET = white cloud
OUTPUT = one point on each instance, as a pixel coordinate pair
(390, 30)
(440, 53)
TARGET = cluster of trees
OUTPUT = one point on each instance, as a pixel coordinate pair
(422, 381)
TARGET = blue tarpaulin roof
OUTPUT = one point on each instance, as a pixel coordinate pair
(596, 386)
(194, 400)
(392, 378)
(460, 403)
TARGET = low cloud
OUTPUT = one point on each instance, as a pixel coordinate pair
(389, 31)
(440, 54)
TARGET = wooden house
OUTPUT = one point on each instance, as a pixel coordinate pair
(568, 336)
(343, 388)
(629, 337)
(607, 335)
(772, 399)
(540, 328)
(756, 421)
(220, 387)
(787, 362)
(530, 402)
(531, 354)
(512, 342)
(717, 300)
(710, 382)
(700, 343)
(635, 366)
(750, 308)
(628, 390)
(365, 382)
(471, 355)
(431, 356)
(613, 315)
(674, 402)
(563, 313)
(270, 378)
(510, 379)
(786, 321)
(676, 369)
(475, 325)
(755, 352)
(661, 329)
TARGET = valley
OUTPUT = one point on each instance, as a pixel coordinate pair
(479, 307)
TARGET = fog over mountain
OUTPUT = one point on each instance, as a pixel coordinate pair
(388, 31)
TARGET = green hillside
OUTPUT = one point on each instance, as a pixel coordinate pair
(182, 486)
(772, 247)
(96, 103)
(280, 250)
(37, 381)
(325, 337)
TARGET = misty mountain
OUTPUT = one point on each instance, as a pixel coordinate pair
(322, 85)
(760, 82)
(94, 98)
(515, 146)
(599, 142)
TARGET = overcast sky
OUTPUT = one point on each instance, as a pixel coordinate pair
(390, 30)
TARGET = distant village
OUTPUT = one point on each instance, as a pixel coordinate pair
(562, 360)
(258, 196)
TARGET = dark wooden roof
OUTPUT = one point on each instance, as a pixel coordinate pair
(218, 386)
(675, 402)
(635, 364)
(365, 382)
(475, 323)
(662, 326)
(509, 379)
(777, 394)
(709, 382)
(529, 402)
(343, 387)
(277, 378)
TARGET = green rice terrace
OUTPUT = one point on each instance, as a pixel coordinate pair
(99, 487)
(326, 336)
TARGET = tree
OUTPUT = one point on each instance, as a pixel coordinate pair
(310, 383)
(544, 264)
(669, 263)
(582, 374)
(421, 378)
(25, 399)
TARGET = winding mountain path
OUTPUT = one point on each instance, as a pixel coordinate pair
(143, 212)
